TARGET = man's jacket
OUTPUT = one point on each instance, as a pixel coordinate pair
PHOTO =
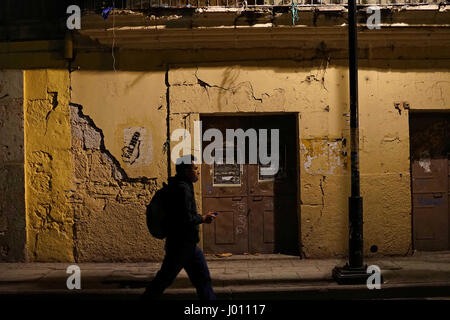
(183, 220)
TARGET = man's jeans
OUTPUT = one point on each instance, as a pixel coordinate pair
(179, 256)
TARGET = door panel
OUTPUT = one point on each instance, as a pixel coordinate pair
(222, 180)
(259, 184)
(261, 224)
(229, 231)
(251, 217)
(430, 175)
(430, 181)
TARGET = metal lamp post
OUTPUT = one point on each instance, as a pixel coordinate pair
(354, 271)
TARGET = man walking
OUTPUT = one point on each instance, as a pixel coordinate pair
(182, 236)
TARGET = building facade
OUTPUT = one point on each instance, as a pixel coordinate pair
(87, 116)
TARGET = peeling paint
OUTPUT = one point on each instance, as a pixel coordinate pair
(331, 156)
(425, 164)
(48, 166)
(109, 206)
(308, 162)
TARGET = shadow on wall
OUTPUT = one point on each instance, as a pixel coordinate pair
(109, 207)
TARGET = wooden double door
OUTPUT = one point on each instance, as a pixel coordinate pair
(430, 154)
(257, 213)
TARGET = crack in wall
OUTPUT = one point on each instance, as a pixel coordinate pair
(122, 175)
(108, 205)
(322, 206)
(54, 103)
(315, 77)
(233, 90)
(75, 238)
(166, 147)
(323, 194)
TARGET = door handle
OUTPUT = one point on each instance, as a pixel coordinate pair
(437, 195)
(236, 198)
(257, 198)
(248, 212)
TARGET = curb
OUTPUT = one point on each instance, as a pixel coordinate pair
(249, 292)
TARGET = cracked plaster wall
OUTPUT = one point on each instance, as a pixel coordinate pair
(310, 90)
(48, 165)
(109, 207)
(83, 202)
(102, 211)
(111, 189)
(318, 91)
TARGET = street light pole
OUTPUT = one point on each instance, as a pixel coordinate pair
(354, 271)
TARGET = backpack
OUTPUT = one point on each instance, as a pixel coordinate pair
(156, 213)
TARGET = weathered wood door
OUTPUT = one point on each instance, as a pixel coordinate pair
(430, 142)
(256, 213)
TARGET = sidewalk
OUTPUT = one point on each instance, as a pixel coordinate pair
(236, 277)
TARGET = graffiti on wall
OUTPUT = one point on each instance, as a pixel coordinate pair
(137, 150)
(128, 151)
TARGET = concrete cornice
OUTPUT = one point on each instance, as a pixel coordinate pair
(237, 28)
(262, 37)
(317, 16)
(142, 41)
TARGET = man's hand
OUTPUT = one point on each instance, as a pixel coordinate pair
(209, 217)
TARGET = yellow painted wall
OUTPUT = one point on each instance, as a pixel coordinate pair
(110, 196)
(85, 200)
(48, 165)
(317, 91)
(120, 100)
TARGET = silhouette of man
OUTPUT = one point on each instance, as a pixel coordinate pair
(182, 235)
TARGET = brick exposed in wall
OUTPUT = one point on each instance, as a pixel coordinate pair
(109, 207)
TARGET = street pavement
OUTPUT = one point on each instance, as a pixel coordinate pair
(248, 277)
